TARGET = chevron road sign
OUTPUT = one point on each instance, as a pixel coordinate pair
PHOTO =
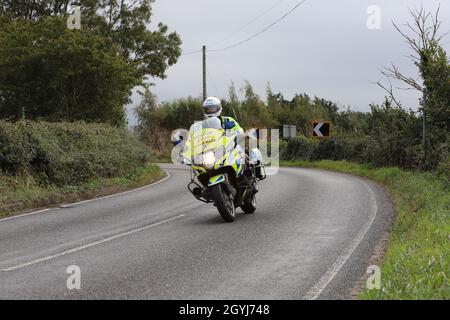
(321, 129)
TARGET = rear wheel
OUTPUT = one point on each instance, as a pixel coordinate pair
(249, 205)
(224, 202)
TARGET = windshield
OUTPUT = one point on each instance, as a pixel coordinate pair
(210, 123)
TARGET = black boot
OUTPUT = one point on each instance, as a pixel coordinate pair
(255, 188)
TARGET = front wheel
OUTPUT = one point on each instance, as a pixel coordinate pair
(224, 202)
(249, 205)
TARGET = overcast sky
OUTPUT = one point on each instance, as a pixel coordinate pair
(323, 48)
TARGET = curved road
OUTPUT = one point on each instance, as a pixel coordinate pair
(311, 237)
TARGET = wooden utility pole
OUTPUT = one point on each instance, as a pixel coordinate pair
(204, 73)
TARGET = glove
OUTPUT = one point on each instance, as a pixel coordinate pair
(229, 124)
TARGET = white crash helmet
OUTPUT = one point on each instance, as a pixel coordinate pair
(212, 107)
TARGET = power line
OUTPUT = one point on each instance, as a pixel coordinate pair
(255, 35)
(191, 52)
(260, 32)
(235, 45)
(247, 24)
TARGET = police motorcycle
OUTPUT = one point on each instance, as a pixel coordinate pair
(221, 171)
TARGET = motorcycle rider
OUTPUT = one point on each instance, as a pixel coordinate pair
(212, 107)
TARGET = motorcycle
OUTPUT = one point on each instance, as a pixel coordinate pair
(221, 171)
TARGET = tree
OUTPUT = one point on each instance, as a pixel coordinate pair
(125, 21)
(394, 136)
(121, 26)
(48, 71)
(436, 74)
(150, 125)
(256, 114)
(433, 65)
(233, 106)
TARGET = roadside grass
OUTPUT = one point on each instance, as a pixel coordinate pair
(162, 159)
(21, 193)
(416, 264)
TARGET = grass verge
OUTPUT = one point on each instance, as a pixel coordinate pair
(21, 193)
(416, 264)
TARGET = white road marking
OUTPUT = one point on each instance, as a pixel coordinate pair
(325, 280)
(117, 194)
(89, 245)
(24, 214)
(89, 200)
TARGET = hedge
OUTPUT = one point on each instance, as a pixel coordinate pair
(68, 153)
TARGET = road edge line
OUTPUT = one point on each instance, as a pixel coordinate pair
(89, 245)
(117, 194)
(315, 291)
(89, 200)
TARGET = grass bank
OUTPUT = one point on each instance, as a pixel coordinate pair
(22, 193)
(46, 163)
(417, 261)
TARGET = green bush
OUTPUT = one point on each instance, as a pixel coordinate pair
(283, 148)
(328, 149)
(16, 150)
(362, 149)
(355, 149)
(68, 153)
(300, 148)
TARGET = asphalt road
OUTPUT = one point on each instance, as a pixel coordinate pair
(311, 237)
